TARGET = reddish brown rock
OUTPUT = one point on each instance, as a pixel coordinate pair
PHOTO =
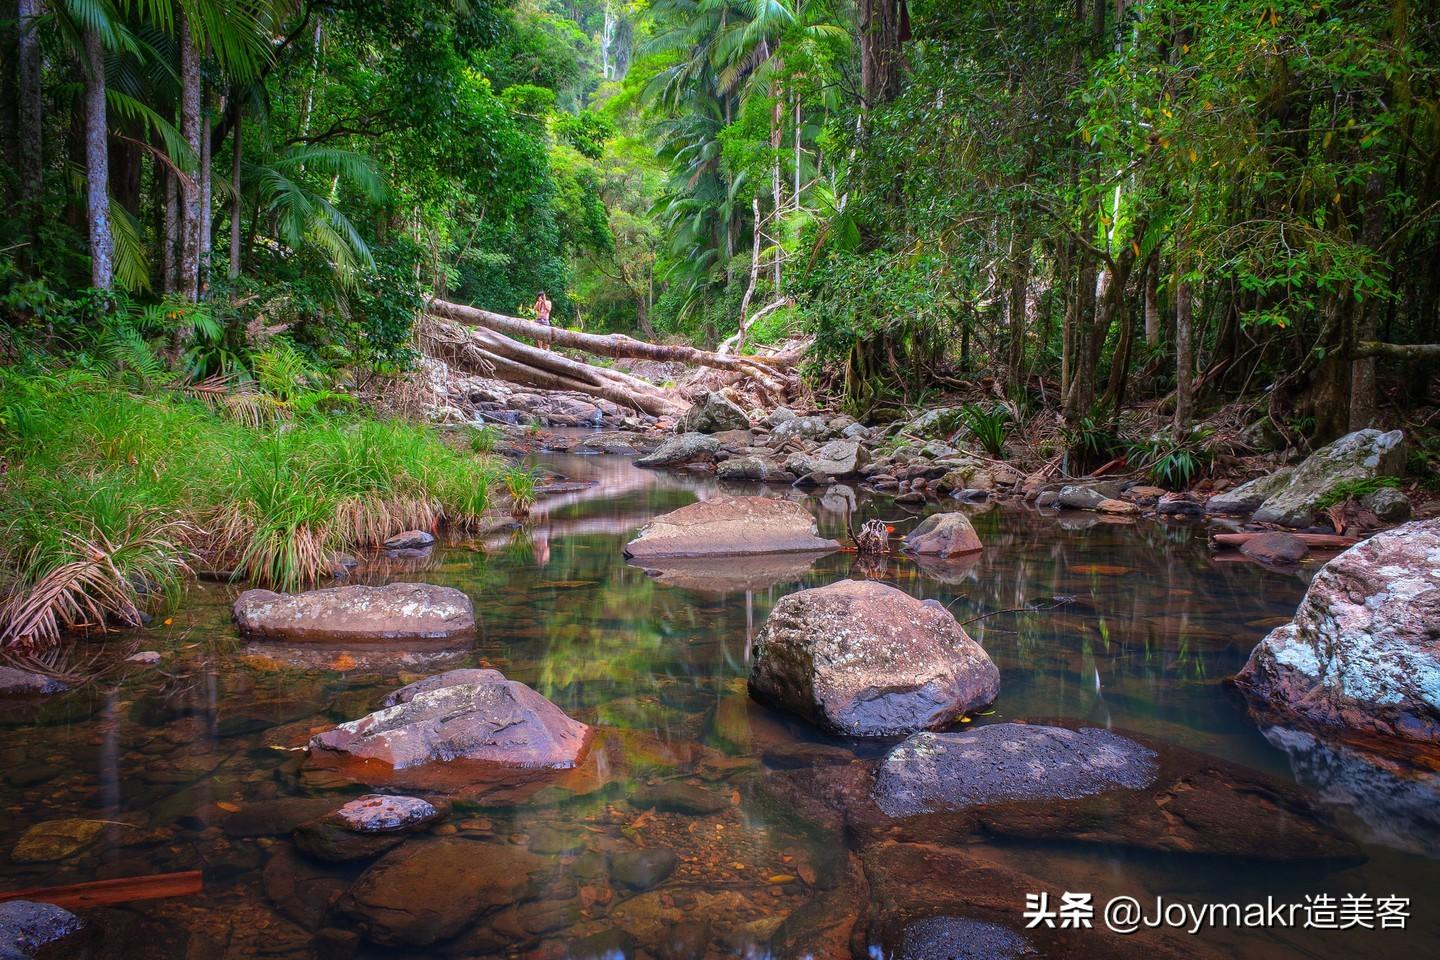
(1363, 651)
(861, 658)
(394, 612)
(1276, 548)
(729, 526)
(943, 535)
(496, 721)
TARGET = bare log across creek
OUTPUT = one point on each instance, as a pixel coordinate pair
(770, 372)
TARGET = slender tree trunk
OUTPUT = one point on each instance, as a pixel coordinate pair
(1363, 400)
(237, 206)
(97, 167)
(188, 273)
(1019, 287)
(1184, 357)
(30, 112)
(1152, 303)
(207, 224)
(798, 126)
(777, 123)
(754, 271)
(170, 241)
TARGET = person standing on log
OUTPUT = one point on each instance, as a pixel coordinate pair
(543, 306)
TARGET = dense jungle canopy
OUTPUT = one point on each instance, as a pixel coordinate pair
(1084, 204)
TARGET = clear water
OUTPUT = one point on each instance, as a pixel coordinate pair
(1150, 629)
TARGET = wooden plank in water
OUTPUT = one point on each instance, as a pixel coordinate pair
(99, 893)
(1319, 541)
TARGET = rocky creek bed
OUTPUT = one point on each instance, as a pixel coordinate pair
(697, 823)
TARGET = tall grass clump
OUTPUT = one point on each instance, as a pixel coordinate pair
(109, 498)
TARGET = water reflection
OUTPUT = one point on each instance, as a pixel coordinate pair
(194, 765)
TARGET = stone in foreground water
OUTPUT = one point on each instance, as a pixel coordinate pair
(932, 772)
(394, 612)
(861, 658)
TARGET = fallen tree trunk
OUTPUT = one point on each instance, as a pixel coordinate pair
(491, 354)
(1398, 351)
(1319, 541)
(102, 893)
(769, 371)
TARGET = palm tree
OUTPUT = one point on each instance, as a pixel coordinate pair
(97, 165)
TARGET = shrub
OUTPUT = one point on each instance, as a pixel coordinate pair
(990, 427)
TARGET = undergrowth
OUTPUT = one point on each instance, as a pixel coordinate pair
(111, 498)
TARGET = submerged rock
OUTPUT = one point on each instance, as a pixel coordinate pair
(1363, 651)
(931, 772)
(725, 525)
(497, 721)
(1293, 496)
(55, 840)
(642, 869)
(397, 611)
(943, 535)
(731, 574)
(713, 413)
(864, 659)
(15, 682)
(26, 926)
(428, 891)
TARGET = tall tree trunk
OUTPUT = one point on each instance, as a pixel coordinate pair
(170, 241)
(1152, 303)
(188, 273)
(1019, 287)
(1184, 357)
(237, 207)
(30, 112)
(206, 221)
(97, 167)
(882, 28)
(777, 126)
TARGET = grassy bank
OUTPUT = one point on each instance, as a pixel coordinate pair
(110, 499)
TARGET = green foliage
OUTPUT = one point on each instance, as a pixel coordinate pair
(1171, 462)
(111, 496)
(484, 439)
(990, 427)
(1354, 490)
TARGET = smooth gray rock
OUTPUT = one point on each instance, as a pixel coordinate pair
(1293, 496)
(838, 458)
(748, 468)
(1087, 496)
(1388, 504)
(943, 535)
(713, 413)
(410, 540)
(681, 450)
(800, 427)
(934, 772)
(729, 526)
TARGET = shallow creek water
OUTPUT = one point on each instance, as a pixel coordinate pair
(192, 764)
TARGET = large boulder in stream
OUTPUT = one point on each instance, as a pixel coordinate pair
(836, 459)
(473, 718)
(1293, 496)
(394, 612)
(1363, 651)
(713, 413)
(861, 658)
(943, 535)
(729, 526)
